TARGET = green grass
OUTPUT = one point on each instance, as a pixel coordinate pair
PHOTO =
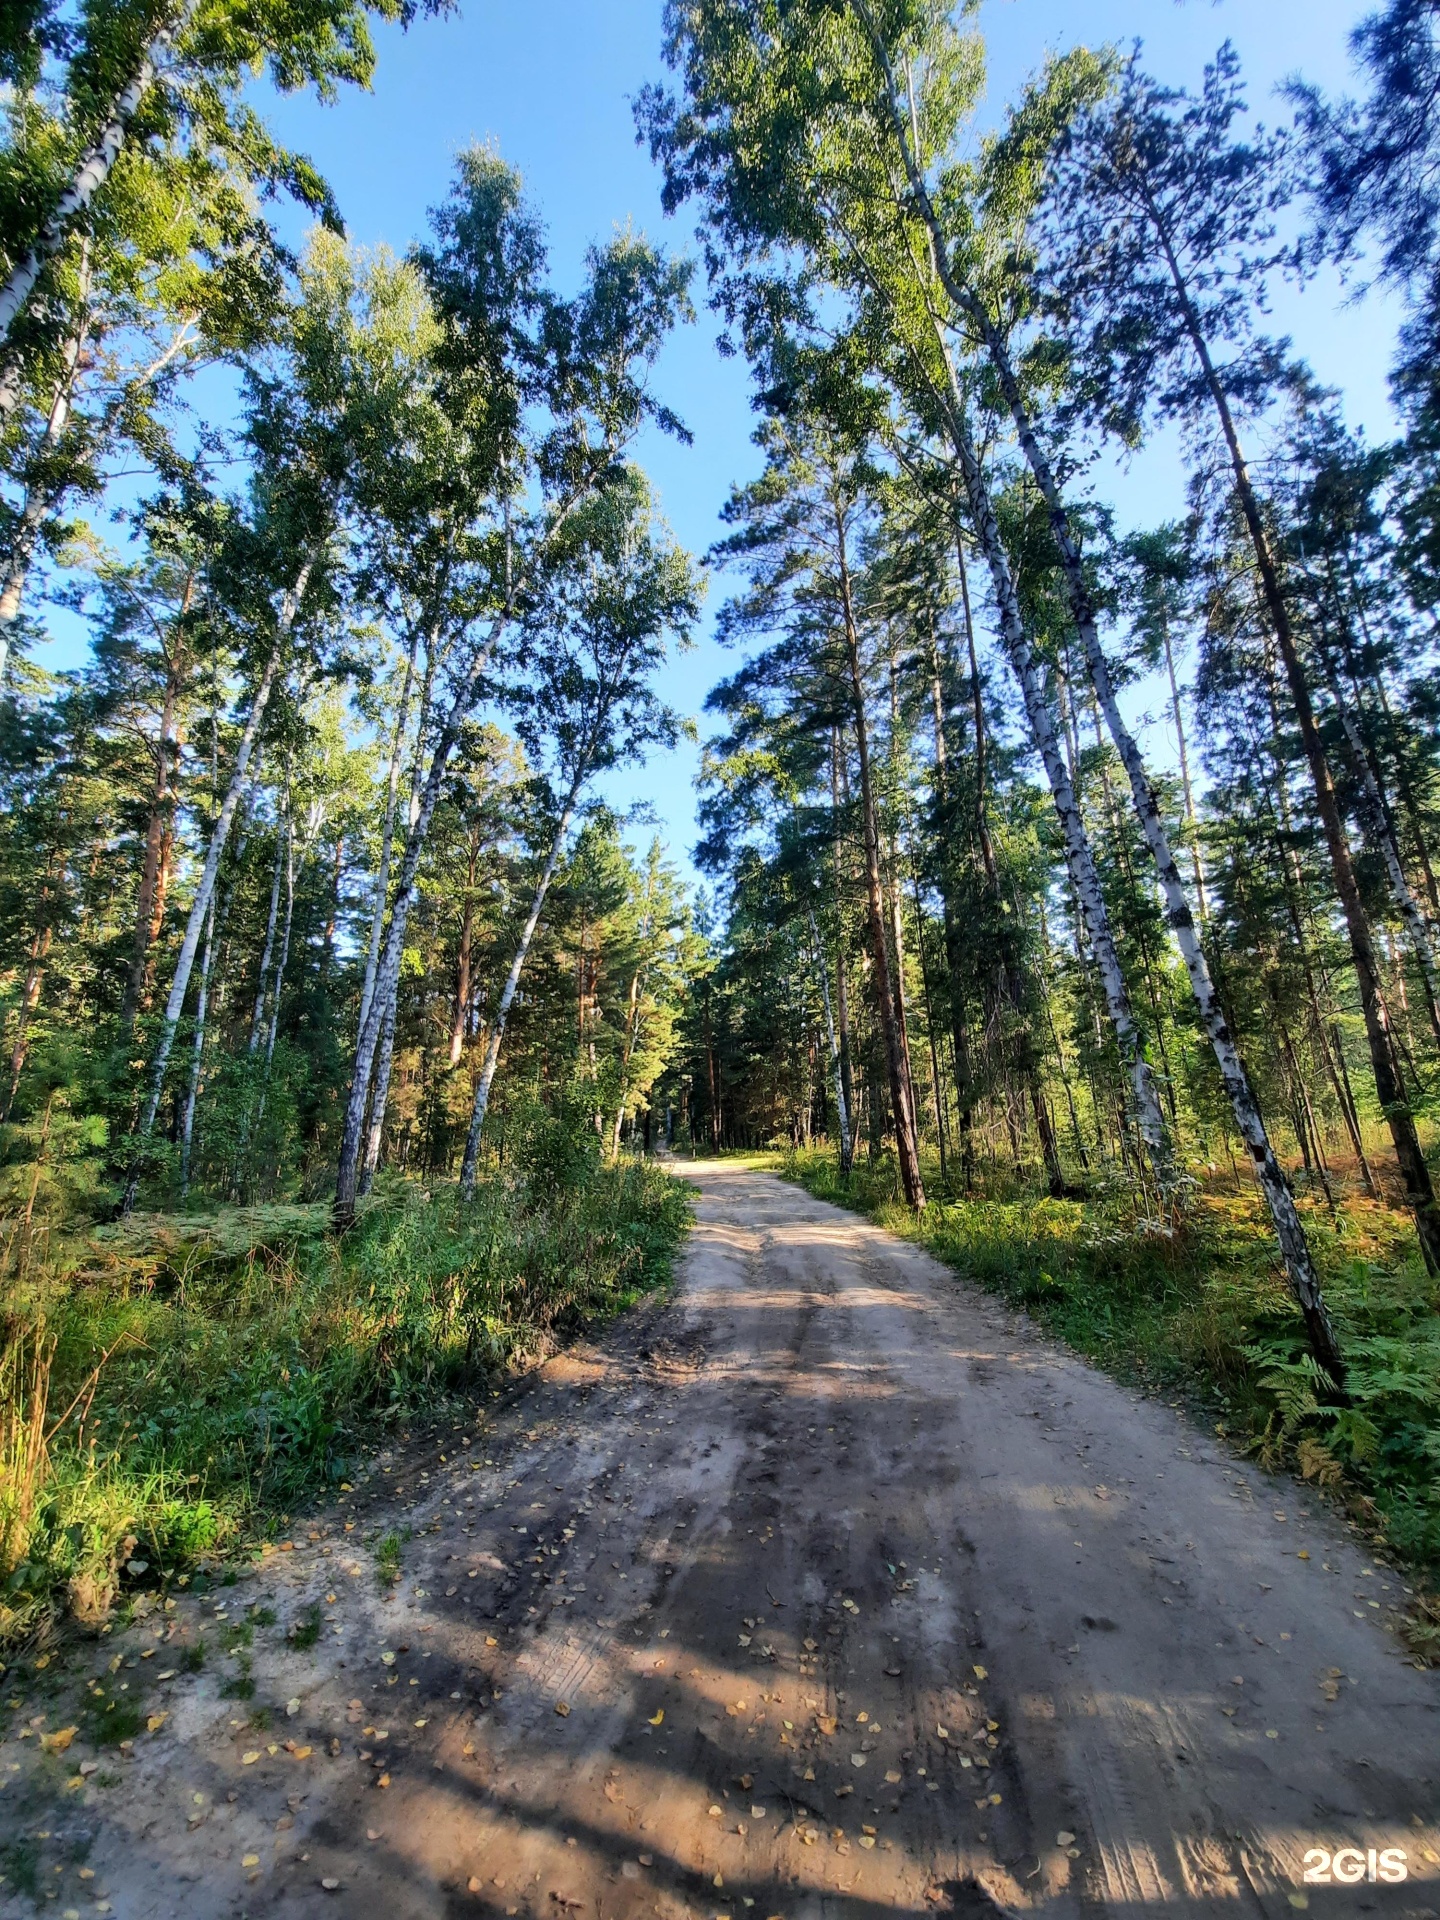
(387, 1560)
(306, 1630)
(247, 1360)
(20, 1865)
(1203, 1311)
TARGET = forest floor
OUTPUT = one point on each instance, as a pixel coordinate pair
(826, 1586)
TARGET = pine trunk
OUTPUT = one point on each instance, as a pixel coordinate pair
(1389, 1090)
(1301, 1269)
(901, 1094)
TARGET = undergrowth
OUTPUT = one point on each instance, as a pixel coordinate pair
(173, 1385)
(1203, 1309)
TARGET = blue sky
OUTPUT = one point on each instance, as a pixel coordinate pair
(550, 82)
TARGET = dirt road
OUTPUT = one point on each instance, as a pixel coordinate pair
(827, 1588)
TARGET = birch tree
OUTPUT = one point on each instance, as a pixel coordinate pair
(616, 598)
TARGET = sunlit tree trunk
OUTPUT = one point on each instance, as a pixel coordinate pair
(507, 994)
(197, 1054)
(91, 172)
(220, 833)
(387, 831)
(901, 1092)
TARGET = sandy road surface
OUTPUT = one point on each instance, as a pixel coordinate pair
(828, 1588)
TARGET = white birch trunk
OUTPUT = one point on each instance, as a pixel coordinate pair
(388, 976)
(1144, 1098)
(37, 503)
(1295, 1251)
(380, 1097)
(197, 1052)
(387, 838)
(257, 1015)
(507, 997)
(91, 172)
(1246, 1108)
(175, 1005)
(284, 956)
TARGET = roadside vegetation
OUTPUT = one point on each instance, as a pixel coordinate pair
(1198, 1309)
(176, 1385)
(1054, 864)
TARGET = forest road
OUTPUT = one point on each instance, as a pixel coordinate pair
(827, 1586)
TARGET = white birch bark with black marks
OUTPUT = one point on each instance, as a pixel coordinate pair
(220, 833)
(507, 995)
(387, 836)
(1249, 1121)
(257, 1015)
(197, 1052)
(1079, 857)
(1295, 1251)
(92, 170)
(37, 501)
(388, 976)
(380, 1096)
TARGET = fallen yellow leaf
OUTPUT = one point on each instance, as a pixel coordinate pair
(980, 1673)
(155, 1722)
(249, 1759)
(657, 1719)
(562, 1708)
(58, 1741)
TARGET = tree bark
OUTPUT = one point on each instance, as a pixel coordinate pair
(1289, 1232)
(91, 172)
(1394, 1105)
(159, 838)
(262, 985)
(842, 1105)
(380, 1094)
(220, 833)
(1191, 825)
(463, 957)
(283, 958)
(507, 995)
(839, 777)
(388, 974)
(1080, 859)
(197, 1053)
(1375, 819)
(38, 500)
(901, 1093)
(387, 836)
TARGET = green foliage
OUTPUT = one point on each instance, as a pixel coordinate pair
(305, 1631)
(252, 1358)
(387, 1560)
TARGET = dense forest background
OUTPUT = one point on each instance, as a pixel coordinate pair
(343, 1014)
